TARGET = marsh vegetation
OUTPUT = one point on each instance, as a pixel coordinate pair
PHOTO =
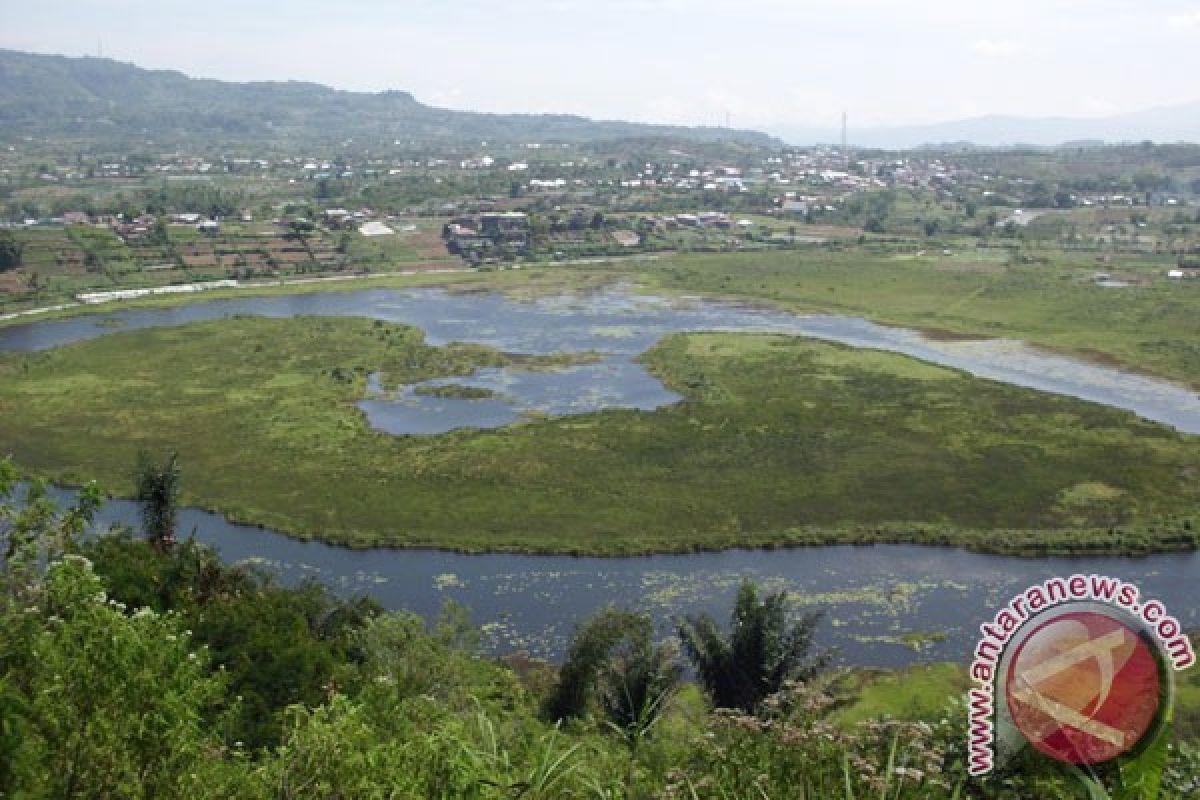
(778, 440)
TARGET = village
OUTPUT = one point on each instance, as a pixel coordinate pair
(99, 221)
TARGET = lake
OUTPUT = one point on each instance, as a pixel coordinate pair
(621, 325)
(881, 601)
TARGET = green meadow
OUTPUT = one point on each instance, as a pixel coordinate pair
(778, 441)
(1054, 301)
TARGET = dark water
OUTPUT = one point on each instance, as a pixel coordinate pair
(621, 325)
(874, 596)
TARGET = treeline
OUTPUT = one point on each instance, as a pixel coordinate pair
(167, 198)
(137, 667)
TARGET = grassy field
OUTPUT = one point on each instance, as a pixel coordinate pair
(1153, 327)
(921, 692)
(930, 691)
(779, 441)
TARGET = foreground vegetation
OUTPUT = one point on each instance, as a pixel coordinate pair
(132, 669)
(779, 441)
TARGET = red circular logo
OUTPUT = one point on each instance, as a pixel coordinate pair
(1084, 688)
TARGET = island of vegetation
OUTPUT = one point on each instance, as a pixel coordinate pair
(455, 390)
(778, 441)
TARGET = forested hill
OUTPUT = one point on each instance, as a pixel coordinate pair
(100, 98)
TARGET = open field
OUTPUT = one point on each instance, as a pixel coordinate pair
(779, 441)
(1153, 327)
(63, 261)
(936, 691)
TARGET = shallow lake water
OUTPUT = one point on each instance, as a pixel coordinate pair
(621, 325)
(875, 596)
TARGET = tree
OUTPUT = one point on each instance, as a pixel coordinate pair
(761, 653)
(612, 659)
(107, 704)
(636, 685)
(299, 230)
(158, 494)
(158, 235)
(10, 251)
(589, 648)
(35, 532)
(94, 701)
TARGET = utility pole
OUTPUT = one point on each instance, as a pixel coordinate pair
(845, 148)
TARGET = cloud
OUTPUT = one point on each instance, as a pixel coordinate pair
(997, 47)
(1184, 22)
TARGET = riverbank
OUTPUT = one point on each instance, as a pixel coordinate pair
(182, 294)
(779, 441)
(885, 606)
(1153, 330)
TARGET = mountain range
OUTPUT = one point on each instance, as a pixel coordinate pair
(1171, 124)
(98, 98)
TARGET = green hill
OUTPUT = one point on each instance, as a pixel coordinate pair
(97, 98)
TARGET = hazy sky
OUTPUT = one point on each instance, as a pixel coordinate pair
(770, 64)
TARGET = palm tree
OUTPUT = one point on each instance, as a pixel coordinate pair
(594, 639)
(635, 687)
(761, 653)
(613, 662)
(158, 494)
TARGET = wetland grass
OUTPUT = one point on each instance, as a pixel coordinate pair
(779, 441)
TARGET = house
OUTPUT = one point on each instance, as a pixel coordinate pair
(627, 238)
(375, 228)
(504, 223)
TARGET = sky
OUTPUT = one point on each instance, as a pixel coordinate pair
(764, 64)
